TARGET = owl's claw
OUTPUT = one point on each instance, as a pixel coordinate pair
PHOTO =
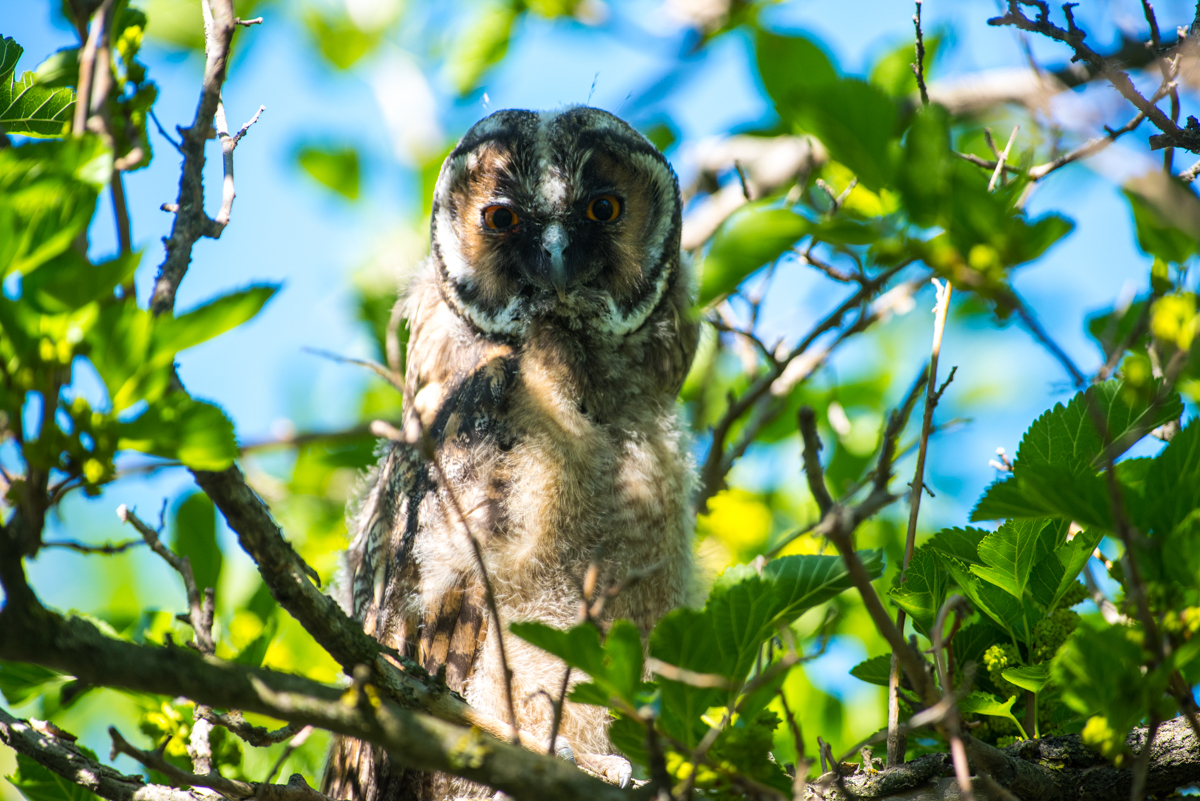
(610, 767)
(563, 749)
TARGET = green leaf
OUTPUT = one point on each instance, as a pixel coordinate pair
(791, 67)
(196, 433)
(1099, 672)
(1032, 677)
(256, 650)
(60, 68)
(1055, 473)
(21, 682)
(1052, 578)
(38, 783)
(855, 121)
(960, 543)
(752, 236)
(876, 670)
(334, 167)
(1009, 553)
(1172, 486)
(30, 109)
(980, 703)
(10, 54)
(615, 668)
(482, 45)
(623, 659)
(174, 334)
(338, 39)
(69, 282)
(1157, 235)
(1016, 617)
(804, 581)
(47, 195)
(195, 537)
(923, 591)
(27, 106)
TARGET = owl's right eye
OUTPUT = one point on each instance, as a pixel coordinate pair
(500, 218)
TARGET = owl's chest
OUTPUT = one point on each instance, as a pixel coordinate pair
(581, 488)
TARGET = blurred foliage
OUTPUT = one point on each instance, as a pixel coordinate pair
(334, 167)
(1034, 645)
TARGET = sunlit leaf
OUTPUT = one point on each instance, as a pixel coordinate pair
(923, 591)
(1009, 553)
(174, 334)
(981, 703)
(876, 670)
(26, 106)
(1031, 677)
(178, 427)
(753, 235)
(482, 45)
(21, 682)
(195, 536)
(334, 167)
(69, 281)
(338, 39)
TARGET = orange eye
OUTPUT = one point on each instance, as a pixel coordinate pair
(500, 218)
(605, 208)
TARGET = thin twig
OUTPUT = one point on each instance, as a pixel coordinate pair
(191, 222)
(257, 736)
(375, 367)
(163, 131)
(958, 753)
(295, 742)
(1003, 158)
(230, 788)
(107, 549)
(1088, 148)
(918, 66)
(228, 143)
(200, 622)
(430, 453)
(896, 743)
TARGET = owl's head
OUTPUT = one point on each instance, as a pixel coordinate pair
(569, 214)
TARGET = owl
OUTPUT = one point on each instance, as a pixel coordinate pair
(549, 336)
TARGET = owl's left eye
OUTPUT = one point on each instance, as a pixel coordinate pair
(605, 208)
(500, 218)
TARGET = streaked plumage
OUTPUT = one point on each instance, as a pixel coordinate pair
(544, 359)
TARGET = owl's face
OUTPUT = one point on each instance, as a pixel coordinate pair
(571, 214)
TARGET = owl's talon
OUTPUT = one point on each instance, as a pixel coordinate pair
(563, 749)
(612, 768)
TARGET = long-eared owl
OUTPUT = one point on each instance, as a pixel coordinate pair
(549, 335)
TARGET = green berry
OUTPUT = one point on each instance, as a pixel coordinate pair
(1051, 632)
(998, 659)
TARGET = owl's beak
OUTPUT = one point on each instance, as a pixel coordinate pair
(554, 242)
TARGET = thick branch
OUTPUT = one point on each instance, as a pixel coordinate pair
(290, 581)
(63, 757)
(30, 633)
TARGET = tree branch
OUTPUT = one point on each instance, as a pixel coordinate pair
(31, 633)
